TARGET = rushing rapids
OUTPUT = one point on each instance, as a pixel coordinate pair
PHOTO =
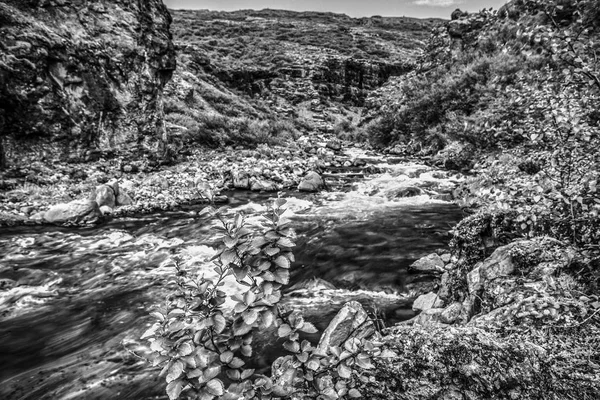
(74, 302)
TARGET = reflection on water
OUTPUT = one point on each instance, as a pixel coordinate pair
(74, 302)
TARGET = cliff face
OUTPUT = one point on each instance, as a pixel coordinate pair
(83, 74)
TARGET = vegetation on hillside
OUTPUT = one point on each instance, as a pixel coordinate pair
(520, 85)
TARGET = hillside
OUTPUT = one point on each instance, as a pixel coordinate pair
(252, 77)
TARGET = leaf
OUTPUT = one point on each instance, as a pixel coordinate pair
(226, 356)
(151, 331)
(308, 328)
(286, 242)
(215, 387)
(249, 297)
(313, 364)
(158, 316)
(284, 330)
(343, 371)
(271, 251)
(185, 349)
(229, 257)
(267, 319)
(211, 373)
(278, 203)
(195, 373)
(219, 323)
(175, 371)
(230, 242)
(282, 262)
(236, 363)
(364, 361)
(233, 374)
(247, 350)
(174, 389)
(250, 316)
(355, 394)
(291, 346)
(240, 328)
(247, 373)
(282, 276)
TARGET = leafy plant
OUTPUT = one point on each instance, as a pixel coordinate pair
(204, 347)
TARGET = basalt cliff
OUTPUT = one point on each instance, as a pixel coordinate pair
(78, 76)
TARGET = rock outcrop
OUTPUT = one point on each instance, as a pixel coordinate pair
(83, 75)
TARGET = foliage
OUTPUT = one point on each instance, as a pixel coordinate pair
(204, 348)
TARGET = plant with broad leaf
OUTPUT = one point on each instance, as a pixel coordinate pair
(203, 347)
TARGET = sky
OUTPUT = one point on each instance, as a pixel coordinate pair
(354, 8)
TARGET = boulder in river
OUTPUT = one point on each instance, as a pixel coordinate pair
(429, 263)
(312, 182)
(77, 211)
(259, 185)
(105, 196)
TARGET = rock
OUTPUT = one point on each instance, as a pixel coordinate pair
(123, 199)
(241, 180)
(351, 321)
(312, 182)
(114, 184)
(426, 301)
(500, 263)
(334, 145)
(402, 192)
(78, 211)
(106, 210)
(105, 196)
(75, 94)
(451, 313)
(262, 185)
(429, 263)
(446, 257)
(430, 317)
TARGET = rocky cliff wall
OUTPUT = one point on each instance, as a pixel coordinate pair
(80, 74)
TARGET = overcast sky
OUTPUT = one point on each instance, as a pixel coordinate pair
(354, 8)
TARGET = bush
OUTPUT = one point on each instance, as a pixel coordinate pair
(204, 349)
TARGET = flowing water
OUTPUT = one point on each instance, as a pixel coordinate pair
(74, 302)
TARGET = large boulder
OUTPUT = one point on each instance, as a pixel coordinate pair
(312, 182)
(351, 321)
(81, 74)
(77, 211)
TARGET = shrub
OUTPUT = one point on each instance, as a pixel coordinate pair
(204, 349)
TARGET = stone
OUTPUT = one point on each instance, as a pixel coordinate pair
(262, 185)
(334, 145)
(123, 199)
(114, 184)
(312, 182)
(402, 192)
(106, 210)
(351, 321)
(500, 263)
(105, 196)
(429, 263)
(241, 180)
(426, 301)
(451, 313)
(446, 257)
(77, 211)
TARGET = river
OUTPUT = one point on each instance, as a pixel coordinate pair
(75, 301)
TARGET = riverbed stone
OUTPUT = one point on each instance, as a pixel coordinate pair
(312, 182)
(427, 301)
(77, 211)
(262, 185)
(241, 180)
(351, 321)
(123, 199)
(105, 196)
(429, 317)
(500, 263)
(430, 263)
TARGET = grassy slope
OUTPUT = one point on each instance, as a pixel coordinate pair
(229, 87)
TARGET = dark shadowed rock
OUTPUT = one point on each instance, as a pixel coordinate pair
(78, 211)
